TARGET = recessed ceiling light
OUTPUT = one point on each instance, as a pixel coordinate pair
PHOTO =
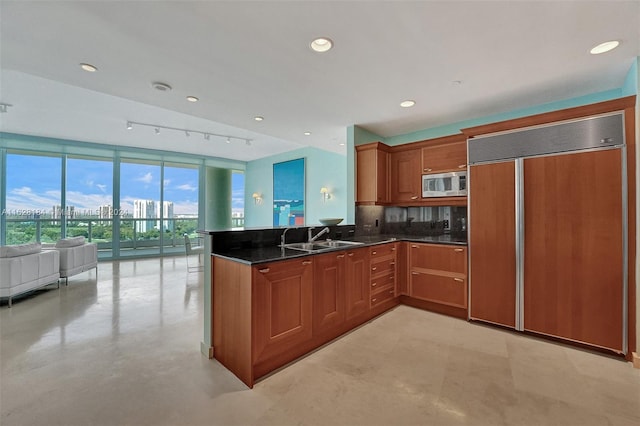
(321, 44)
(407, 104)
(605, 47)
(341, 144)
(228, 140)
(307, 133)
(88, 67)
(258, 118)
(163, 87)
(456, 82)
(129, 125)
(192, 99)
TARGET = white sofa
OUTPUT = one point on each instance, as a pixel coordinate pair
(76, 256)
(26, 267)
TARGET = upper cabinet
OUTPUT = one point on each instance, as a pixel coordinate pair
(372, 174)
(405, 176)
(388, 175)
(450, 157)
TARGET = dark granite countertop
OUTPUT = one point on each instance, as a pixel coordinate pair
(254, 256)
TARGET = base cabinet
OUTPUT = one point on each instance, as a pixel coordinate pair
(282, 307)
(329, 292)
(438, 274)
(357, 282)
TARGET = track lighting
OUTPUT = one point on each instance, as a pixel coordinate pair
(3, 107)
(187, 132)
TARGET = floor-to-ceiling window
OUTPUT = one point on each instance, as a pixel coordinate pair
(179, 205)
(237, 201)
(89, 201)
(33, 198)
(130, 201)
(140, 207)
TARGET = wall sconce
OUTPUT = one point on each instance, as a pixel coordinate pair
(325, 194)
(257, 198)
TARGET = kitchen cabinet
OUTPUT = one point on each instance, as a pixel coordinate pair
(438, 274)
(383, 268)
(329, 291)
(450, 157)
(282, 306)
(406, 176)
(357, 282)
(372, 174)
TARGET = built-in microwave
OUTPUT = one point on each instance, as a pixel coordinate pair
(451, 184)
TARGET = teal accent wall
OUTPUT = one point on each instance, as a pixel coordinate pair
(631, 83)
(322, 169)
(454, 128)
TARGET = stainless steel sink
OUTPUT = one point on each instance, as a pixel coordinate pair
(306, 246)
(338, 243)
(320, 245)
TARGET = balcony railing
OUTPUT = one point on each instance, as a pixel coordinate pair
(135, 234)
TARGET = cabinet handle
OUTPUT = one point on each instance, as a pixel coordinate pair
(264, 270)
(306, 262)
(340, 256)
(374, 284)
(350, 254)
(414, 246)
(390, 291)
(391, 277)
(392, 263)
(458, 250)
(426, 169)
(373, 300)
(374, 252)
(460, 280)
(415, 273)
(374, 268)
(462, 166)
(415, 197)
(393, 249)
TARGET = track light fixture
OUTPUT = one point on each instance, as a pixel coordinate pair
(3, 107)
(187, 132)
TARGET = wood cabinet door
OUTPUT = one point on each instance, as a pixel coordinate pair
(573, 276)
(492, 243)
(281, 304)
(328, 291)
(372, 174)
(357, 282)
(405, 176)
(451, 157)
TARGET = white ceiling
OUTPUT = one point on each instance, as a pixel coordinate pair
(244, 59)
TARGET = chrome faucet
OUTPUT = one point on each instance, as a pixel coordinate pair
(311, 238)
(282, 237)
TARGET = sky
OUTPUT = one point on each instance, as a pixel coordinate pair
(34, 183)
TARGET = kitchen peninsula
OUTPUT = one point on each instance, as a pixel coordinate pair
(273, 304)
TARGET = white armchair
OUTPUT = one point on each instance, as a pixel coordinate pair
(76, 256)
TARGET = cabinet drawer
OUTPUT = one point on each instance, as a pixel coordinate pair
(382, 282)
(382, 250)
(439, 257)
(444, 289)
(383, 267)
(382, 296)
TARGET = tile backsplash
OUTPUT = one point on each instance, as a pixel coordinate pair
(411, 220)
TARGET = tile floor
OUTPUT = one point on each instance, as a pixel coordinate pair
(125, 351)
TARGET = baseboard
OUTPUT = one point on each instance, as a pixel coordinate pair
(636, 360)
(206, 350)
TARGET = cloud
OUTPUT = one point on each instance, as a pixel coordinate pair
(102, 187)
(147, 178)
(23, 198)
(187, 187)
